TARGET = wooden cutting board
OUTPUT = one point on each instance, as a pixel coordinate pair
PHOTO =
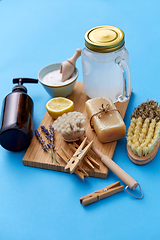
(36, 157)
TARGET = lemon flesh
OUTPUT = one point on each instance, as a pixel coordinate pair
(58, 106)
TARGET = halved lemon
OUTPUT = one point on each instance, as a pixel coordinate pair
(58, 106)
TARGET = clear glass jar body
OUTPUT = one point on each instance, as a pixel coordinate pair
(104, 74)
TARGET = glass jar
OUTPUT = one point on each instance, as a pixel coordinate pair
(105, 64)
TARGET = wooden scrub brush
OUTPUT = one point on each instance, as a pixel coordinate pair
(143, 133)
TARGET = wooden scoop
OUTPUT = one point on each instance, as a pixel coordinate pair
(67, 67)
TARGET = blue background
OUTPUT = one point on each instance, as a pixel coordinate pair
(42, 204)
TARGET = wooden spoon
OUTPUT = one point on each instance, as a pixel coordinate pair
(67, 67)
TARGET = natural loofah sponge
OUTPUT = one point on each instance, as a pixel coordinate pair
(70, 125)
(143, 132)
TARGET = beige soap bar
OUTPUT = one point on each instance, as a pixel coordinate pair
(110, 127)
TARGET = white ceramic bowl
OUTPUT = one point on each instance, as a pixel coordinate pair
(54, 90)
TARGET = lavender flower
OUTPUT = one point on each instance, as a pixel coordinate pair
(51, 129)
(45, 130)
(42, 142)
(45, 147)
(37, 134)
(50, 145)
(50, 136)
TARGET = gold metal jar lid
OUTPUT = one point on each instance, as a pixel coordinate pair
(104, 39)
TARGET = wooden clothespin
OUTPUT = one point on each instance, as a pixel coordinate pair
(78, 156)
(102, 193)
(93, 162)
(85, 159)
(79, 171)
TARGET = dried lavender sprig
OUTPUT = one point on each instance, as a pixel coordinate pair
(50, 136)
(52, 147)
(45, 130)
(42, 142)
(51, 139)
(51, 129)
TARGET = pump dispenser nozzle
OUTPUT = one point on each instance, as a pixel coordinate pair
(20, 82)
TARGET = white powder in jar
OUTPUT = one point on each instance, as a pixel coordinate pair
(54, 78)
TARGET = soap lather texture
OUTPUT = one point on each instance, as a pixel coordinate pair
(110, 127)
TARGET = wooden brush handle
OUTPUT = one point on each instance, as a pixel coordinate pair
(128, 180)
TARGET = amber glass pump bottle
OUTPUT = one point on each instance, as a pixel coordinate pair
(17, 117)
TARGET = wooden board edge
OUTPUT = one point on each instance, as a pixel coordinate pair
(47, 166)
